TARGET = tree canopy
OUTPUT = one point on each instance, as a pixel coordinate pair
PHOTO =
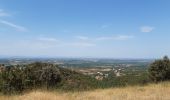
(159, 70)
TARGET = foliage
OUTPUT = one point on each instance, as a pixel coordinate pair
(160, 70)
(19, 78)
(12, 80)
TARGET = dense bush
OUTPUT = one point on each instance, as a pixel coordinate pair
(16, 79)
(12, 79)
(160, 70)
(42, 74)
(19, 78)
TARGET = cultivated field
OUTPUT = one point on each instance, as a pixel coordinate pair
(150, 92)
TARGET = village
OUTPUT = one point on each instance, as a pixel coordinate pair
(104, 72)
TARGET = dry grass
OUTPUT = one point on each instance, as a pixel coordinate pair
(150, 92)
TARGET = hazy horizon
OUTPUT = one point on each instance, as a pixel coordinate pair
(85, 28)
(77, 57)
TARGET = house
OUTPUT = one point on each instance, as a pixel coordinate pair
(99, 77)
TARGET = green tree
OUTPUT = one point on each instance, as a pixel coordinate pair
(12, 80)
(160, 70)
(50, 76)
(41, 74)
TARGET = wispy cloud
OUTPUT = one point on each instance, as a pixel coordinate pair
(146, 29)
(82, 44)
(82, 41)
(17, 27)
(48, 39)
(82, 37)
(124, 37)
(54, 42)
(119, 37)
(3, 13)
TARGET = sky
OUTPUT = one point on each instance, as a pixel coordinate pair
(85, 28)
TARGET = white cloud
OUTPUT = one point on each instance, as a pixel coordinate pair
(146, 29)
(48, 39)
(82, 37)
(119, 37)
(17, 27)
(3, 13)
(53, 42)
(104, 38)
(82, 44)
(124, 37)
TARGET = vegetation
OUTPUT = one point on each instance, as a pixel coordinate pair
(160, 70)
(19, 78)
(149, 92)
(16, 79)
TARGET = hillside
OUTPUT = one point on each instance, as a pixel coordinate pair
(150, 92)
(20, 78)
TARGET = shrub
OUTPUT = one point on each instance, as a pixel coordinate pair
(12, 80)
(18, 78)
(160, 70)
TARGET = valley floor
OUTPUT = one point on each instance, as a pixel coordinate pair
(159, 91)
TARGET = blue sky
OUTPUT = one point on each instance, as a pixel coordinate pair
(85, 28)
